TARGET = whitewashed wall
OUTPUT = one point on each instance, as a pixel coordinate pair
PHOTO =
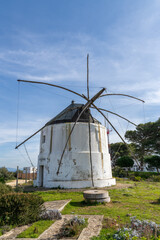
(75, 171)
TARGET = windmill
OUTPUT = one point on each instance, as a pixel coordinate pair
(73, 147)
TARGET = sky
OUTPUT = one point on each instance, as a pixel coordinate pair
(49, 41)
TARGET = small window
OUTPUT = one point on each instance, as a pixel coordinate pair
(43, 138)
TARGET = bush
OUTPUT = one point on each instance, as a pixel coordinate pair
(137, 179)
(125, 161)
(5, 175)
(5, 188)
(154, 178)
(136, 176)
(119, 172)
(20, 208)
(72, 227)
(136, 230)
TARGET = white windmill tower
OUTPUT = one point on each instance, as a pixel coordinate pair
(74, 147)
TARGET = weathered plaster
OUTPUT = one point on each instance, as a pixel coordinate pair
(75, 171)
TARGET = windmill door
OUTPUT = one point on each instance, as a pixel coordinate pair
(41, 175)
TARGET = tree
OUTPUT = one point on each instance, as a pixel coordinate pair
(145, 139)
(5, 174)
(156, 137)
(118, 150)
(153, 161)
(125, 161)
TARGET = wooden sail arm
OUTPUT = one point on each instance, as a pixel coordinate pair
(106, 119)
(102, 109)
(39, 131)
(29, 137)
(87, 105)
(53, 85)
(49, 84)
(109, 122)
(121, 94)
(111, 125)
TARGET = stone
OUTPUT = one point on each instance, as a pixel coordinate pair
(96, 196)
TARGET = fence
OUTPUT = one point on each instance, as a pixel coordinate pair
(28, 176)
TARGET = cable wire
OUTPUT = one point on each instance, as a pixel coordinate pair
(28, 155)
(18, 99)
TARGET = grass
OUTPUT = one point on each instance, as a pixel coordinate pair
(141, 200)
(36, 229)
(30, 182)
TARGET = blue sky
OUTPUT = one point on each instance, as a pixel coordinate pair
(49, 41)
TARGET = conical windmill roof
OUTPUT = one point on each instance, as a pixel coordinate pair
(71, 113)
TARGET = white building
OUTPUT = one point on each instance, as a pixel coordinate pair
(30, 169)
(75, 170)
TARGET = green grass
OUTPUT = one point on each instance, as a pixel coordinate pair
(36, 229)
(140, 200)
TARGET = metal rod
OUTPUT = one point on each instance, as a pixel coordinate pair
(120, 94)
(102, 109)
(83, 109)
(49, 84)
(29, 137)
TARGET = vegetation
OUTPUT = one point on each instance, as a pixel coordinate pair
(19, 208)
(135, 230)
(139, 199)
(5, 188)
(145, 139)
(125, 162)
(136, 176)
(118, 150)
(4, 229)
(36, 229)
(5, 175)
(72, 228)
(153, 161)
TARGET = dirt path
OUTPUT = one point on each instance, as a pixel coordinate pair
(13, 182)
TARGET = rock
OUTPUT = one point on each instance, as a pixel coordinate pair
(51, 214)
(96, 196)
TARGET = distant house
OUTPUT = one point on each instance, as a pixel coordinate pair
(146, 168)
(30, 169)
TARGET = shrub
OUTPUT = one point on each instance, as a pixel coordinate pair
(119, 172)
(20, 208)
(5, 188)
(137, 179)
(5, 175)
(136, 230)
(154, 178)
(72, 227)
(125, 161)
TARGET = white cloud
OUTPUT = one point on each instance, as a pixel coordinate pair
(153, 97)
